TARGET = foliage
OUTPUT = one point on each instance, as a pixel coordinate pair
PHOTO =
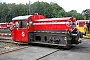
(50, 10)
(86, 14)
(75, 14)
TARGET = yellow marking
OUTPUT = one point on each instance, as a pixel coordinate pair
(63, 32)
(47, 32)
(38, 31)
(52, 32)
(57, 32)
(65, 38)
(42, 31)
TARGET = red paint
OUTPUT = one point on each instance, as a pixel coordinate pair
(20, 35)
(50, 27)
(53, 24)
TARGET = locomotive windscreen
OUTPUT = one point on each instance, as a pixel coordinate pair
(22, 24)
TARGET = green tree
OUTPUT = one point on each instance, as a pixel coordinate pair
(4, 12)
(75, 14)
(50, 10)
(86, 13)
(41, 8)
(57, 11)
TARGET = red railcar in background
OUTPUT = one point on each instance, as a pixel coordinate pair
(83, 27)
(39, 29)
(5, 25)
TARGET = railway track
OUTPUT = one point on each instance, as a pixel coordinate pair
(7, 45)
(48, 54)
(8, 49)
(5, 31)
(43, 53)
(40, 58)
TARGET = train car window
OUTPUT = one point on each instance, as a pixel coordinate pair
(22, 24)
(76, 23)
(81, 24)
(16, 24)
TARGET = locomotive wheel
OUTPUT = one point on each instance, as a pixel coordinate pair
(68, 45)
(81, 35)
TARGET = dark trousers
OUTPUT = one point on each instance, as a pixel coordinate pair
(88, 29)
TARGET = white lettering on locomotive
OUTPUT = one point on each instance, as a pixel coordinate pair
(23, 34)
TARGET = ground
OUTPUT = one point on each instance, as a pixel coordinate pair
(77, 52)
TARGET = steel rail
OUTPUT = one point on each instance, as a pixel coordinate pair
(48, 54)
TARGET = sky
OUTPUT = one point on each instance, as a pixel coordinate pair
(67, 5)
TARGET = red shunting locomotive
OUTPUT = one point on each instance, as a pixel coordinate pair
(39, 29)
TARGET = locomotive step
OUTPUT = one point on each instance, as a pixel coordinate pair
(48, 43)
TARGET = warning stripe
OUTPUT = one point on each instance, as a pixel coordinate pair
(49, 23)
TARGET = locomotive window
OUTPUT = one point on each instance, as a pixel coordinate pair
(69, 23)
(16, 24)
(74, 23)
(22, 24)
(30, 22)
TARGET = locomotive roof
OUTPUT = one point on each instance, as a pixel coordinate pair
(3, 23)
(21, 17)
(53, 19)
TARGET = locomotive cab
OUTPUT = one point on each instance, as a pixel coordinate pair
(22, 26)
(20, 32)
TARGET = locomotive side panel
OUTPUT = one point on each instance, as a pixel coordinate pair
(47, 27)
(59, 39)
